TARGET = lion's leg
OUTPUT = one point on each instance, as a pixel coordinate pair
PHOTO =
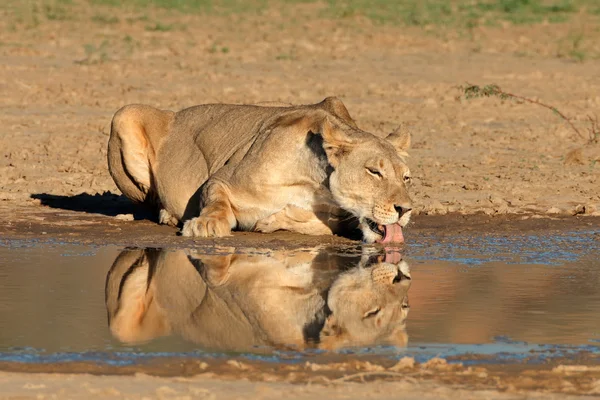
(216, 218)
(295, 219)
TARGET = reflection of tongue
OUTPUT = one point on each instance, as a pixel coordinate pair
(393, 234)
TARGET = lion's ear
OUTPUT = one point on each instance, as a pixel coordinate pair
(400, 139)
(336, 142)
(336, 107)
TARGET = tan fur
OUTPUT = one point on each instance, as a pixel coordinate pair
(220, 167)
(238, 302)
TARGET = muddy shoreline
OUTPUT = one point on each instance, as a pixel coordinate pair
(104, 224)
(560, 376)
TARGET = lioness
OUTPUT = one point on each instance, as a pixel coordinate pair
(219, 167)
(240, 302)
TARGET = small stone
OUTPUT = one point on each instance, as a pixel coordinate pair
(404, 363)
(470, 186)
(438, 208)
(575, 157)
(124, 217)
(579, 209)
(496, 200)
(202, 365)
(440, 364)
(503, 209)
(367, 366)
(553, 210)
(238, 365)
(7, 196)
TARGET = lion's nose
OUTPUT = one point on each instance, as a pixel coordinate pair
(401, 210)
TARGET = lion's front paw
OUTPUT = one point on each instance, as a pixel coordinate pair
(205, 226)
(165, 218)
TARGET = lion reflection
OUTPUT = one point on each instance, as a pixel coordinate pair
(241, 301)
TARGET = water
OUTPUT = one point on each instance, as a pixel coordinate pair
(484, 298)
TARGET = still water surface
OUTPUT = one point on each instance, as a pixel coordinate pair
(491, 295)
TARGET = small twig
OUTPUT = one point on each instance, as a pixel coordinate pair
(473, 91)
(318, 378)
(363, 375)
(594, 130)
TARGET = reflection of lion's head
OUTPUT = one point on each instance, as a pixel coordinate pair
(237, 302)
(368, 306)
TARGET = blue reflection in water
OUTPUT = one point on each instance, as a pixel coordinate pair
(550, 249)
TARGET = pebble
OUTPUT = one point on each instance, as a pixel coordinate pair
(124, 217)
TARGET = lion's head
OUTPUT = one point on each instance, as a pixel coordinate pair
(369, 177)
(368, 306)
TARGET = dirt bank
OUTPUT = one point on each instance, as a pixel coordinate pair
(348, 379)
(63, 79)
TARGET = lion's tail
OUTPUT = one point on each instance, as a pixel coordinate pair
(136, 134)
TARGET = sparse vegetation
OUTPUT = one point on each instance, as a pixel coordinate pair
(572, 47)
(95, 54)
(159, 27)
(105, 19)
(471, 91)
(459, 13)
(464, 14)
(286, 56)
(56, 10)
(216, 48)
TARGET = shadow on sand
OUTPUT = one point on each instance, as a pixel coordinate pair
(107, 203)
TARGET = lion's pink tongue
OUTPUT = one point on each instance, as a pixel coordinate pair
(393, 234)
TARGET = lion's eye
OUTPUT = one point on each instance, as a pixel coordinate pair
(372, 313)
(374, 172)
(407, 179)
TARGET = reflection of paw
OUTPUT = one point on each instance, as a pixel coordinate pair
(205, 226)
(165, 218)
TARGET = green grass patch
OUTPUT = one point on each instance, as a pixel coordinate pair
(216, 48)
(195, 6)
(464, 14)
(159, 27)
(95, 54)
(105, 19)
(57, 10)
(459, 13)
(451, 13)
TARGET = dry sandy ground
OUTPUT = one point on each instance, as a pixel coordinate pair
(52, 386)
(61, 81)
